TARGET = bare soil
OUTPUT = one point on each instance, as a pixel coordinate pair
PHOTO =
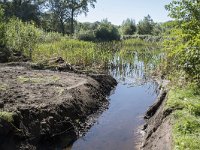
(47, 105)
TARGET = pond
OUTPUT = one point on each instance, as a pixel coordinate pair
(116, 128)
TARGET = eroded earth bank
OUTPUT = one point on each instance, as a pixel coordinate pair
(40, 106)
(157, 131)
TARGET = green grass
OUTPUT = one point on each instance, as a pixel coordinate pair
(186, 117)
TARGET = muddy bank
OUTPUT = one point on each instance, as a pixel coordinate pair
(39, 106)
(156, 133)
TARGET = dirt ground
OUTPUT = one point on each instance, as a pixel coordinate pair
(39, 106)
(157, 132)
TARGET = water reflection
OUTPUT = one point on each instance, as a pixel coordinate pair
(133, 67)
(116, 127)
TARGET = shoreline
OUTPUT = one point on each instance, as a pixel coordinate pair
(156, 133)
(45, 104)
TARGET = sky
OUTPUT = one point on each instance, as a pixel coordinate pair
(118, 10)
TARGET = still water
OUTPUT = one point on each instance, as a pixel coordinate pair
(116, 128)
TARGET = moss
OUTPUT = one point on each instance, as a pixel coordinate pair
(37, 79)
(8, 116)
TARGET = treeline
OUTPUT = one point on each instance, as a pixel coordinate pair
(51, 15)
(106, 31)
(60, 16)
(24, 25)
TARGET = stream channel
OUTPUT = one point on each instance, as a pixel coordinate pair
(117, 127)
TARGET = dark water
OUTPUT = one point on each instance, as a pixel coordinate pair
(116, 128)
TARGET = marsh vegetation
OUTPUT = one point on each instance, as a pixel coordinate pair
(169, 50)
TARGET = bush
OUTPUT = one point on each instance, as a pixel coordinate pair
(49, 37)
(107, 32)
(4, 54)
(183, 41)
(2, 27)
(128, 27)
(86, 36)
(183, 51)
(21, 37)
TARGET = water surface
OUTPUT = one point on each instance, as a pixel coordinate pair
(116, 128)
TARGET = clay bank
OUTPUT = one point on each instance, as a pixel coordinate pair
(39, 106)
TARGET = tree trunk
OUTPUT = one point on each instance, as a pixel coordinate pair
(62, 27)
(72, 22)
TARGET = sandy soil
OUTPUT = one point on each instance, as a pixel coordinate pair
(47, 104)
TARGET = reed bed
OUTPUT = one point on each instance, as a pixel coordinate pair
(94, 55)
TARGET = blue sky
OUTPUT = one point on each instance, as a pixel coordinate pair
(118, 10)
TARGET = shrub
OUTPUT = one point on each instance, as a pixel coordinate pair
(107, 32)
(128, 27)
(183, 51)
(21, 37)
(2, 27)
(183, 44)
(86, 36)
(4, 54)
(48, 37)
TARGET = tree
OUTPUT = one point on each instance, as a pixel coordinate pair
(26, 10)
(145, 26)
(107, 32)
(184, 10)
(2, 27)
(158, 29)
(60, 12)
(183, 44)
(65, 11)
(128, 27)
(87, 26)
(77, 7)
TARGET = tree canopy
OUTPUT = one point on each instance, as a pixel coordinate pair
(106, 31)
(50, 14)
(145, 26)
(183, 43)
(1, 27)
(128, 27)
